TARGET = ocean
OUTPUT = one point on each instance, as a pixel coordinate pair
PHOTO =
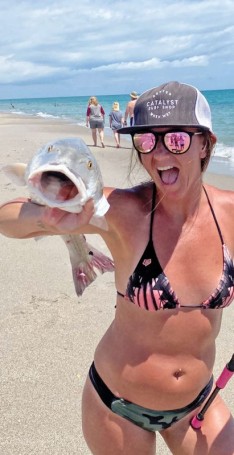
(73, 109)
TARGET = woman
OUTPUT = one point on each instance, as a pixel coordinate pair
(116, 122)
(172, 242)
(95, 117)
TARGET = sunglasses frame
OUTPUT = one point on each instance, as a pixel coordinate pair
(162, 135)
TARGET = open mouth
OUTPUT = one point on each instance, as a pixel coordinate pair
(56, 186)
(168, 174)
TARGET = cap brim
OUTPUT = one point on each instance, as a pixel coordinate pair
(134, 129)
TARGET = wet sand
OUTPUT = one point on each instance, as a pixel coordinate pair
(47, 334)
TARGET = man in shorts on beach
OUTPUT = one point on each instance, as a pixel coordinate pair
(129, 112)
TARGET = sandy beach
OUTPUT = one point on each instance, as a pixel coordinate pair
(47, 334)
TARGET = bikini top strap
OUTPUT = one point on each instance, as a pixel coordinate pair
(213, 213)
(152, 210)
(211, 208)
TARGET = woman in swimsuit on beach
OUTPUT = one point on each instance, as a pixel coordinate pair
(173, 245)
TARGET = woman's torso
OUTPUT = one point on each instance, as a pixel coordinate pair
(163, 359)
(95, 112)
(116, 119)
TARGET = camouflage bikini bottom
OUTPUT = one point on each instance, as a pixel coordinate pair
(143, 417)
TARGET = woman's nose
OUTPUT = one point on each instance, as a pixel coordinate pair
(160, 147)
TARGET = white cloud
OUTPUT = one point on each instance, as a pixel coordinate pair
(154, 63)
(47, 40)
(18, 71)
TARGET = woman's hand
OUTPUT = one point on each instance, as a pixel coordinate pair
(60, 222)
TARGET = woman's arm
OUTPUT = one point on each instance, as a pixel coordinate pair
(21, 218)
(87, 116)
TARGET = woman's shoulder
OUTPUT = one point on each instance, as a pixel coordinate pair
(222, 200)
(127, 206)
(221, 195)
(142, 191)
(130, 199)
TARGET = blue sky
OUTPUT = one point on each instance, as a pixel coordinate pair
(78, 47)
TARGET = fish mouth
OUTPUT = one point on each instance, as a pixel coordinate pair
(57, 187)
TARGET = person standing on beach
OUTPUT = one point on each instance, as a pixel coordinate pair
(95, 117)
(172, 242)
(129, 112)
(116, 121)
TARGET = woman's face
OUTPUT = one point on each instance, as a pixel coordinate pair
(175, 172)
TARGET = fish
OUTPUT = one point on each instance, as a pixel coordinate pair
(62, 167)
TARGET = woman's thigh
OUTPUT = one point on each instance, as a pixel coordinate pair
(216, 436)
(107, 433)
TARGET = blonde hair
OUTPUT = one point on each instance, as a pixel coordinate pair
(93, 100)
(115, 106)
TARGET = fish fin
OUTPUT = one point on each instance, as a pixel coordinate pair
(82, 269)
(84, 265)
(15, 173)
(84, 273)
(99, 221)
(102, 206)
(100, 261)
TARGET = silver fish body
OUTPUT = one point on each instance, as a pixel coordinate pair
(65, 174)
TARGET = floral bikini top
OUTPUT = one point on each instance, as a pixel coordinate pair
(149, 288)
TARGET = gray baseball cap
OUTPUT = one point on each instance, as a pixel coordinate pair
(171, 104)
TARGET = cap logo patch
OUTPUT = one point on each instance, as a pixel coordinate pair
(160, 108)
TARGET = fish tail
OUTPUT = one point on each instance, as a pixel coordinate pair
(83, 276)
(84, 260)
(99, 260)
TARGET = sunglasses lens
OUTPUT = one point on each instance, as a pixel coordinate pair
(144, 142)
(177, 142)
(174, 141)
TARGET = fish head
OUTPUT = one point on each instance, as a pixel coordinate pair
(63, 174)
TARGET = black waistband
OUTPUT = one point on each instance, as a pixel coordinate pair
(108, 397)
(105, 394)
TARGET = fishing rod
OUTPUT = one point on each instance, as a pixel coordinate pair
(221, 382)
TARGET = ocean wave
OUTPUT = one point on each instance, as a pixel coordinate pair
(19, 113)
(224, 151)
(45, 115)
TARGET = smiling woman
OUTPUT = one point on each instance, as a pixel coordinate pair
(172, 243)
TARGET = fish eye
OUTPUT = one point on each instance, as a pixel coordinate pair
(89, 164)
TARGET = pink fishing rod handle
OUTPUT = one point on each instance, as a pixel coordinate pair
(196, 423)
(224, 378)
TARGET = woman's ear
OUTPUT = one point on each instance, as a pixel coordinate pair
(208, 140)
(203, 151)
(213, 139)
